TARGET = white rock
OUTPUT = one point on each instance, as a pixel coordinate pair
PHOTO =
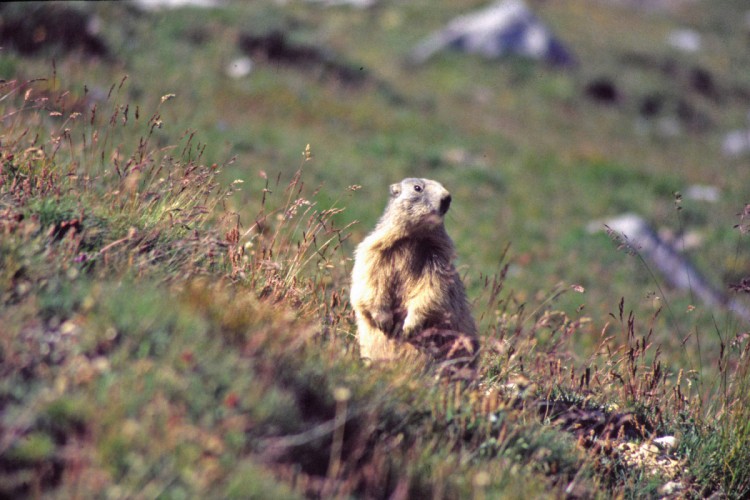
(685, 40)
(736, 143)
(666, 442)
(240, 67)
(671, 487)
(359, 4)
(155, 5)
(502, 28)
(628, 224)
(703, 192)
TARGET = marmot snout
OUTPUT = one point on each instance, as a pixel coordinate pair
(406, 292)
(445, 204)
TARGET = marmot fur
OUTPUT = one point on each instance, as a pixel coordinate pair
(406, 293)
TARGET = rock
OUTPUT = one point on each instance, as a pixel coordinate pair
(358, 4)
(701, 192)
(736, 143)
(685, 40)
(240, 67)
(671, 487)
(504, 28)
(635, 234)
(666, 442)
(156, 5)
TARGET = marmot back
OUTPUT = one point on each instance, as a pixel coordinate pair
(406, 293)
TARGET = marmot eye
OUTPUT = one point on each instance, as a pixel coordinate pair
(418, 189)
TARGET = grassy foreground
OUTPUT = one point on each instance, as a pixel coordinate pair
(167, 331)
(153, 347)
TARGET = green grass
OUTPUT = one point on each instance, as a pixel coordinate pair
(173, 269)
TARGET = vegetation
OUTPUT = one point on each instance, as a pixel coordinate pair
(175, 248)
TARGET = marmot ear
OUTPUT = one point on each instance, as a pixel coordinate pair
(395, 190)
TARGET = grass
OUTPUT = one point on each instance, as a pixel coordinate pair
(175, 248)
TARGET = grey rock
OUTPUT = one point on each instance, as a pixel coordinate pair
(675, 268)
(504, 28)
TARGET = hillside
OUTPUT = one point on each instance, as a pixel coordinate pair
(181, 192)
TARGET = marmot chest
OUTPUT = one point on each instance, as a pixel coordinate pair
(413, 261)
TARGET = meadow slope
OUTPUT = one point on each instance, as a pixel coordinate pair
(175, 245)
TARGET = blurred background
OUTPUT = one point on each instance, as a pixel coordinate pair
(544, 119)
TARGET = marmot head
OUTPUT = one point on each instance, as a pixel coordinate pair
(422, 203)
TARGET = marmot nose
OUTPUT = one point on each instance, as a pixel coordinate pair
(445, 203)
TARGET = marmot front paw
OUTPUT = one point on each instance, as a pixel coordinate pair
(383, 320)
(411, 325)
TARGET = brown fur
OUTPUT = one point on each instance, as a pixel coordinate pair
(406, 292)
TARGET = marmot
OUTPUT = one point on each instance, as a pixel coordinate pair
(406, 292)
